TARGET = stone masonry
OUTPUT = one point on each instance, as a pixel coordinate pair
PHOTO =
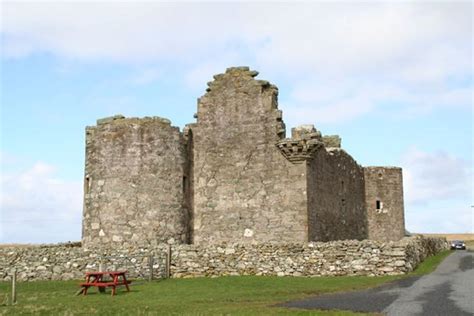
(335, 258)
(384, 198)
(231, 177)
(244, 188)
(133, 182)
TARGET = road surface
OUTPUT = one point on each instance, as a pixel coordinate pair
(449, 290)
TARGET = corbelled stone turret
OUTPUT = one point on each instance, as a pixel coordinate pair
(303, 144)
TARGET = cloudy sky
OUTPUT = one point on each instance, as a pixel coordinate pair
(394, 79)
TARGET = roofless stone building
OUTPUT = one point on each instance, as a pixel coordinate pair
(232, 177)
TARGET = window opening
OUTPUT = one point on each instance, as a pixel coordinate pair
(184, 184)
(87, 185)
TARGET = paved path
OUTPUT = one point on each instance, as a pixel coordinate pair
(449, 290)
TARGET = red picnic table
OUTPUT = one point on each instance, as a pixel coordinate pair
(101, 280)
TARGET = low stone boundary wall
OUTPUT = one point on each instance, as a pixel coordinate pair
(347, 257)
(70, 262)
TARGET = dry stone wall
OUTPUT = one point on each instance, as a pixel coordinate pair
(66, 262)
(336, 258)
(133, 186)
(346, 257)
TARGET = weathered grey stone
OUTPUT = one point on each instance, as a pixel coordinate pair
(231, 177)
(396, 253)
(359, 262)
(384, 189)
(57, 270)
(229, 251)
(133, 178)
(332, 141)
(399, 263)
(305, 132)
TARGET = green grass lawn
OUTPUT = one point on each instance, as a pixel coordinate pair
(249, 295)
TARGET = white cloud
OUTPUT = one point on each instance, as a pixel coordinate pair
(329, 101)
(120, 31)
(38, 207)
(435, 176)
(336, 40)
(455, 217)
(438, 192)
(351, 57)
(306, 37)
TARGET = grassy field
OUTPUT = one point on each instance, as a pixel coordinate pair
(248, 295)
(465, 237)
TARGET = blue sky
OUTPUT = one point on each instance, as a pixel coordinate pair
(393, 79)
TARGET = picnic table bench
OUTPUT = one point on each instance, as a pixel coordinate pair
(101, 280)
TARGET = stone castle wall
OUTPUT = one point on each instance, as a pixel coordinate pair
(244, 189)
(336, 197)
(231, 177)
(349, 257)
(134, 182)
(384, 199)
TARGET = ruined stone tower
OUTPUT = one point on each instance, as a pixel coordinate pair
(231, 177)
(133, 182)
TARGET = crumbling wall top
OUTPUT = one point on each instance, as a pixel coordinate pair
(242, 73)
(379, 168)
(332, 141)
(305, 132)
(120, 119)
(236, 99)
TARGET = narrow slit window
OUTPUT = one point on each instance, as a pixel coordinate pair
(378, 205)
(87, 185)
(184, 184)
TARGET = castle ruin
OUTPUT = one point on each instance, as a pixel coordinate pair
(231, 177)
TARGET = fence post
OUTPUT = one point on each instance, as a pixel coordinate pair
(150, 266)
(14, 287)
(168, 262)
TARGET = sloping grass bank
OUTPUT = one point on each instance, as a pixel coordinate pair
(249, 295)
